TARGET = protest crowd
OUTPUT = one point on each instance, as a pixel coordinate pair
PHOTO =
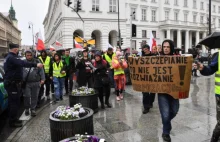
(59, 73)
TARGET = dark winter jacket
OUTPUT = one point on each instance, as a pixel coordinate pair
(84, 71)
(101, 72)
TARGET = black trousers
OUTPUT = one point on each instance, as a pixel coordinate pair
(148, 99)
(14, 94)
(101, 91)
(69, 83)
(41, 92)
(88, 80)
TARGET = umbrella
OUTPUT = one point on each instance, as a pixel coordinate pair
(212, 41)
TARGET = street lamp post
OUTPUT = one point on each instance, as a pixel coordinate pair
(131, 32)
(31, 26)
(119, 31)
(210, 17)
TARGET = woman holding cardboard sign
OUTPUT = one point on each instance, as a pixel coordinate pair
(167, 104)
(119, 64)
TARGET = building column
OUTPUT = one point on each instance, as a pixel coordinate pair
(104, 42)
(171, 35)
(190, 39)
(168, 34)
(161, 36)
(186, 41)
(197, 37)
(179, 39)
(203, 47)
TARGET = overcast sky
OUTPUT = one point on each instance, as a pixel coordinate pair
(27, 11)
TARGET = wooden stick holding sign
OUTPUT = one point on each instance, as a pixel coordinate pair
(162, 74)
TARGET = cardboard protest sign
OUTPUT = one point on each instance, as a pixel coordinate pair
(162, 74)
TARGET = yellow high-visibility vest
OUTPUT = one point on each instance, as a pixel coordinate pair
(46, 64)
(57, 69)
(119, 70)
(217, 77)
(108, 59)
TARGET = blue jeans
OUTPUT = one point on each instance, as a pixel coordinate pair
(58, 86)
(168, 109)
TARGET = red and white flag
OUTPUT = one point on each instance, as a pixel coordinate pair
(77, 45)
(152, 42)
(40, 43)
(58, 43)
(52, 48)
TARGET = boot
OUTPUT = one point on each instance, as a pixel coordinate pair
(33, 113)
(26, 112)
(15, 124)
(166, 137)
(107, 100)
(102, 106)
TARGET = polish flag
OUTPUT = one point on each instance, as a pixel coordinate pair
(77, 45)
(52, 48)
(40, 43)
(152, 42)
(58, 43)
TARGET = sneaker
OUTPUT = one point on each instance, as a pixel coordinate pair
(121, 96)
(166, 137)
(26, 112)
(33, 113)
(118, 98)
(145, 111)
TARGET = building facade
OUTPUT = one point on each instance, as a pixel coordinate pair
(183, 21)
(9, 31)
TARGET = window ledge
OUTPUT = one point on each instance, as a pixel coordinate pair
(144, 20)
(176, 5)
(112, 12)
(96, 11)
(154, 21)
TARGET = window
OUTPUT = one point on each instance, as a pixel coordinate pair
(219, 9)
(218, 22)
(213, 21)
(166, 1)
(185, 17)
(202, 5)
(144, 15)
(175, 2)
(112, 5)
(201, 19)
(133, 13)
(194, 3)
(185, 3)
(176, 16)
(153, 0)
(214, 8)
(144, 33)
(154, 34)
(194, 18)
(153, 14)
(166, 15)
(95, 5)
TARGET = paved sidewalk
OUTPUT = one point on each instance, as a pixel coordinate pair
(126, 123)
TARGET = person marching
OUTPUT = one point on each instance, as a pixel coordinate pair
(33, 78)
(148, 98)
(84, 71)
(13, 67)
(59, 74)
(168, 106)
(47, 62)
(70, 69)
(119, 64)
(101, 79)
(108, 56)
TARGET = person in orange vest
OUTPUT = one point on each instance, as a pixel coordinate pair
(119, 64)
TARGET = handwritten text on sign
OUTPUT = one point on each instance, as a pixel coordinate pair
(161, 74)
